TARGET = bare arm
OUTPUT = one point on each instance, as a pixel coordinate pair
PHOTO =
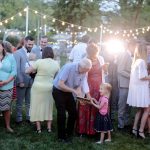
(145, 78)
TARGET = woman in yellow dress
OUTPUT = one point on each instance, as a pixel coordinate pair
(41, 107)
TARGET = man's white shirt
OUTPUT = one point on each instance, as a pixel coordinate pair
(78, 52)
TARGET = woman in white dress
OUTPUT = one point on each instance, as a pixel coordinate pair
(138, 95)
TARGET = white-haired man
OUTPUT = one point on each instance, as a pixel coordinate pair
(67, 85)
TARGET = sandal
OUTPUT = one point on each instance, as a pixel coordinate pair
(134, 132)
(141, 135)
(108, 140)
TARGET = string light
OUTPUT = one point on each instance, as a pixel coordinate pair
(53, 20)
(72, 25)
(104, 31)
(63, 23)
(20, 14)
(95, 29)
(12, 18)
(6, 21)
(128, 32)
(25, 9)
(79, 27)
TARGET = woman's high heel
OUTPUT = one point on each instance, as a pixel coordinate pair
(134, 132)
(141, 135)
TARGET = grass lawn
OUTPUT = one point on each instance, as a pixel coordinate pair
(25, 138)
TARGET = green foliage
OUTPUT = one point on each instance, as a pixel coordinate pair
(12, 7)
(76, 12)
(1, 35)
(14, 40)
(80, 12)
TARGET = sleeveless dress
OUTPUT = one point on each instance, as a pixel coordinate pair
(87, 112)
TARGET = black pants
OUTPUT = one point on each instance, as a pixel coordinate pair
(64, 102)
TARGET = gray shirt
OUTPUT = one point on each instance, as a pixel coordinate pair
(70, 74)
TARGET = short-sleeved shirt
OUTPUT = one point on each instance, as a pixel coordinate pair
(103, 101)
(70, 74)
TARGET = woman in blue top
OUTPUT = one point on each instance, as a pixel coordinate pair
(7, 75)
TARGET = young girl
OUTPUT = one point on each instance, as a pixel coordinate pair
(102, 122)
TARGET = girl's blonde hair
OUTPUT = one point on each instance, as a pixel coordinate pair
(140, 52)
(107, 87)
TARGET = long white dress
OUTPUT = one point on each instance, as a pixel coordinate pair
(138, 95)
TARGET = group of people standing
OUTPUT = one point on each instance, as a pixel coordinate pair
(39, 79)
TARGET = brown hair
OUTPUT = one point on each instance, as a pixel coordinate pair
(7, 46)
(92, 50)
(4, 52)
(20, 44)
(47, 53)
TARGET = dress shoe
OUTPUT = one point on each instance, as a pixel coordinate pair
(120, 129)
(28, 121)
(19, 122)
(67, 140)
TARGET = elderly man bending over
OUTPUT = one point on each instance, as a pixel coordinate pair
(67, 85)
